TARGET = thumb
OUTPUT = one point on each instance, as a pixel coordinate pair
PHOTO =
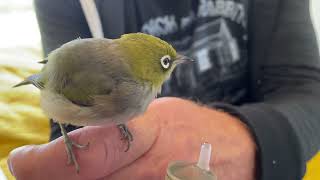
(105, 154)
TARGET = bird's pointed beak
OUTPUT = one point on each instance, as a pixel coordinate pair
(182, 59)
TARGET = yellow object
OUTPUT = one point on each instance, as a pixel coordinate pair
(21, 119)
(313, 168)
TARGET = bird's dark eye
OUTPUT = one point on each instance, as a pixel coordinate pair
(165, 61)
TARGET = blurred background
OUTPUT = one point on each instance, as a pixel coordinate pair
(21, 120)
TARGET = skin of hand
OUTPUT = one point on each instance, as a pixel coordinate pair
(171, 129)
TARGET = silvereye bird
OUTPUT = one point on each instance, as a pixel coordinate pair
(98, 81)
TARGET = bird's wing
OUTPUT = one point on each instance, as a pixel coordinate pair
(80, 88)
(93, 71)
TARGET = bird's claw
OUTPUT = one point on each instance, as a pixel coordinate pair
(69, 148)
(126, 135)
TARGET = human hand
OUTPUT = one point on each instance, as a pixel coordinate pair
(171, 129)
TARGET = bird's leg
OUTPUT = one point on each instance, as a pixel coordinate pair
(126, 134)
(69, 144)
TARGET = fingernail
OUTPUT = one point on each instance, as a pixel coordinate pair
(10, 166)
(9, 159)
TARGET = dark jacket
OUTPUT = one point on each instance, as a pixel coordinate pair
(283, 107)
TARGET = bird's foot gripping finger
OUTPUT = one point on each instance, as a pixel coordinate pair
(69, 148)
(126, 135)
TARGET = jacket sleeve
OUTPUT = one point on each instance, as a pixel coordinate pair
(286, 121)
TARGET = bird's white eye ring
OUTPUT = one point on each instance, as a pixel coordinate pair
(165, 61)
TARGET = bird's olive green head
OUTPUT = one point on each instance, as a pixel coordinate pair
(150, 58)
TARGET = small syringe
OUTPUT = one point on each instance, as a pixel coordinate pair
(181, 170)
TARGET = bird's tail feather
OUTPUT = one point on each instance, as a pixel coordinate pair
(24, 82)
(33, 79)
(43, 61)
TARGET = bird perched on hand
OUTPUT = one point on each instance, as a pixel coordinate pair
(99, 81)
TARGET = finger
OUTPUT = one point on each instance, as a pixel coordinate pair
(105, 154)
